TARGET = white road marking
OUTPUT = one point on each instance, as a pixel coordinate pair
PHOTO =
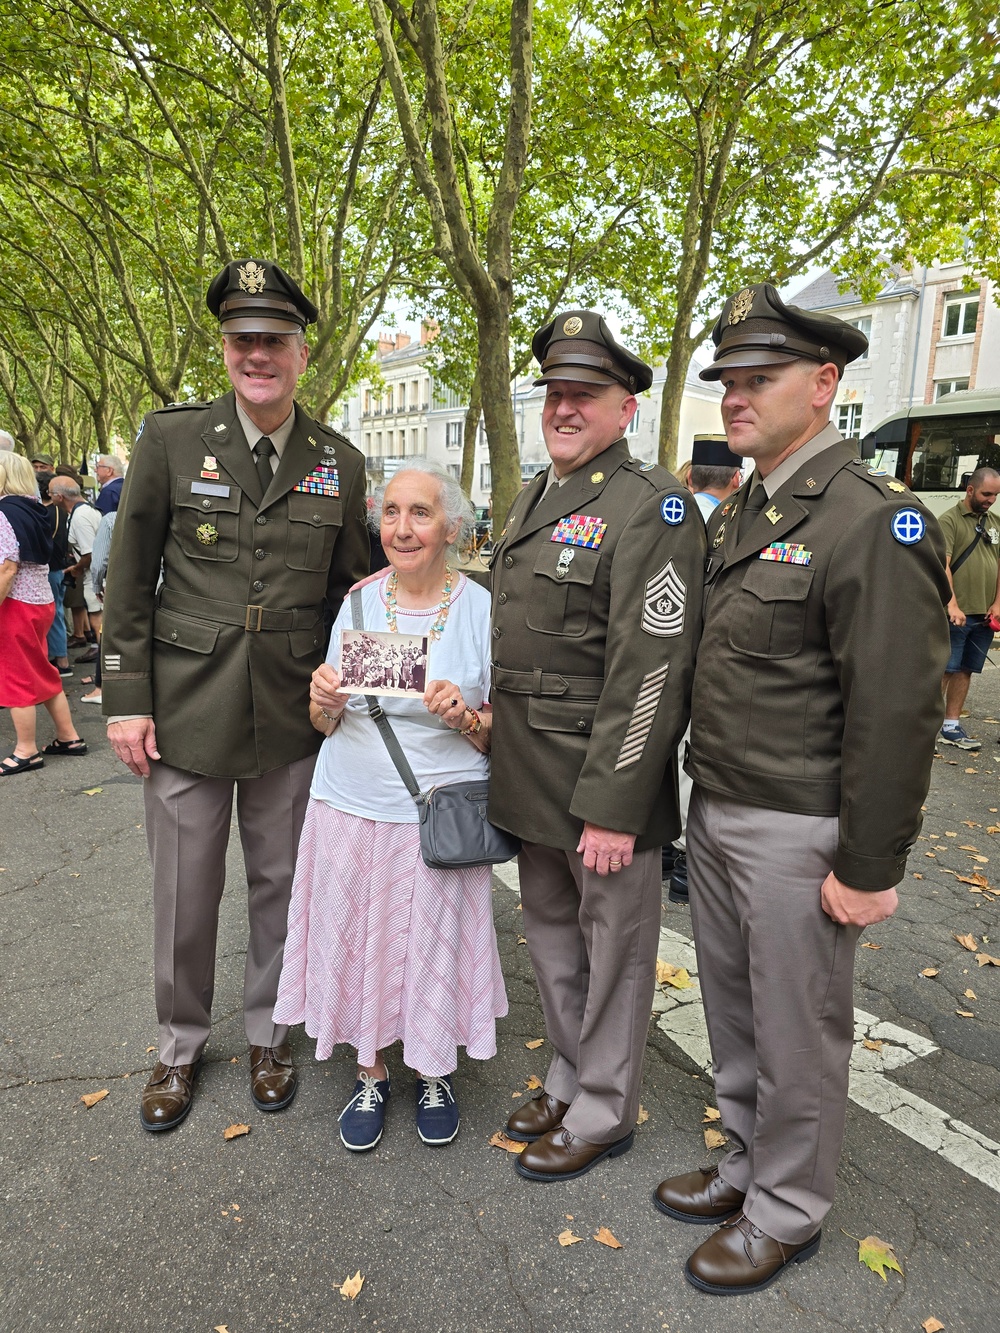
(682, 1019)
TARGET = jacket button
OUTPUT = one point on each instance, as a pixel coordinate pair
(258, 586)
(317, 518)
(206, 504)
(581, 725)
(173, 634)
(509, 561)
(259, 554)
(502, 598)
(260, 519)
(497, 631)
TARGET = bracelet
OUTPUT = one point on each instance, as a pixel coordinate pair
(474, 727)
(332, 717)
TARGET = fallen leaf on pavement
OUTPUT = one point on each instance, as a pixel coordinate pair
(534, 1045)
(352, 1286)
(150, 1050)
(521, 939)
(867, 944)
(235, 1131)
(711, 1113)
(878, 1256)
(930, 971)
(980, 860)
(964, 847)
(970, 995)
(932, 1325)
(915, 876)
(965, 1013)
(713, 1139)
(983, 958)
(967, 942)
(93, 791)
(980, 881)
(643, 1115)
(949, 834)
(567, 1238)
(500, 1140)
(606, 1238)
(871, 1045)
(668, 975)
(993, 828)
(972, 770)
(221, 1328)
(90, 1099)
(532, 1082)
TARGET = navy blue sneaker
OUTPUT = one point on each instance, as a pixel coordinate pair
(953, 733)
(363, 1118)
(437, 1111)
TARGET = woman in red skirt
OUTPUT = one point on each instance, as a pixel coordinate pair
(27, 678)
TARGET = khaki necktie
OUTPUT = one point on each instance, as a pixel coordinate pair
(262, 452)
(756, 501)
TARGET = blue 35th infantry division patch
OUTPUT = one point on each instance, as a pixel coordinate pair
(908, 526)
(672, 510)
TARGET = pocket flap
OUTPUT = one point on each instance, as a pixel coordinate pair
(561, 715)
(319, 511)
(771, 581)
(195, 635)
(207, 504)
(567, 564)
(301, 642)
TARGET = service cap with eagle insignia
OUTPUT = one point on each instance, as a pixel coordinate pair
(756, 328)
(256, 296)
(577, 345)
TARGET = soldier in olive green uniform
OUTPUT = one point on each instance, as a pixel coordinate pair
(257, 514)
(817, 697)
(596, 612)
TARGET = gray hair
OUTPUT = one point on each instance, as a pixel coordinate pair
(6, 440)
(111, 461)
(65, 486)
(455, 503)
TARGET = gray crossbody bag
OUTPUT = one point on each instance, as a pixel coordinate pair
(455, 833)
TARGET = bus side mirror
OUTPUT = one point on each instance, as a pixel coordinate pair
(867, 450)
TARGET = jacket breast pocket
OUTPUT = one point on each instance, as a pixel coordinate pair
(207, 526)
(561, 715)
(184, 632)
(562, 589)
(769, 616)
(314, 522)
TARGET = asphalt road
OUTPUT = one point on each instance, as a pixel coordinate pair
(105, 1227)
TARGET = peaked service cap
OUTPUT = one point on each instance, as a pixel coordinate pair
(577, 345)
(256, 296)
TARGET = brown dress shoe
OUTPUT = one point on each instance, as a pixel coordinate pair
(166, 1098)
(560, 1155)
(535, 1118)
(740, 1258)
(700, 1196)
(273, 1081)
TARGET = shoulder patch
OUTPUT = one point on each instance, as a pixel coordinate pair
(908, 526)
(673, 510)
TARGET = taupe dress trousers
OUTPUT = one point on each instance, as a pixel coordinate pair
(777, 979)
(188, 820)
(592, 941)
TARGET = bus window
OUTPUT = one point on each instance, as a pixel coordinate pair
(946, 450)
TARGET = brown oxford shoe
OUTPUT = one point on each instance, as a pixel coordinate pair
(700, 1196)
(273, 1080)
(560, 1155)
(740, 1258)
(166, 1098)
(535, 1118)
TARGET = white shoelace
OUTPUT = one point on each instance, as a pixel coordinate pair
(434, 1093)
(367, 1099)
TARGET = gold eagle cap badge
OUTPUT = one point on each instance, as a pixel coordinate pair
(572, 326)
(252, 277)
(741, 307)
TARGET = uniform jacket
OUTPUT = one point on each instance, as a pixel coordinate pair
(593, 653)
(818, 686)
(221, 656)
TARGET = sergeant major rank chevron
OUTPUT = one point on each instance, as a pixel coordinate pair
(663, 603)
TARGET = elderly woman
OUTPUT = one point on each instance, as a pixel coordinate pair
(381, 948)
(27, 677)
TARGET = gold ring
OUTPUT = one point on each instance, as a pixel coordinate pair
(613, 862)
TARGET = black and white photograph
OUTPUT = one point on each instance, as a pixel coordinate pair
(377, 662)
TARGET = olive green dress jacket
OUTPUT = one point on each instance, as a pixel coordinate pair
(221, 656)
(818, 685)
(593, 652)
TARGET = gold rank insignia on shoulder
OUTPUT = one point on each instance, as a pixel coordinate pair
(252, 276)
(572, 326)
(896, 486)
(595, 477)
(772, 515)
(207, 534)
(742, 305)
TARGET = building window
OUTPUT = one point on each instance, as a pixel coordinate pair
(415, 394)
(949, 386)
(455, 470)
(378, 444)
(368, 402)
(368, 442)
(485, 477)
(401, 397)
(414, 437)
(864, 325)
(960, 315)
(633, 426)
(453, 434)
(849, 420)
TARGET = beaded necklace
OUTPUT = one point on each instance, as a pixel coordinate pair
(442, 611)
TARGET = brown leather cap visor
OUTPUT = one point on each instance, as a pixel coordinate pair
(585, 362)
(259, 315)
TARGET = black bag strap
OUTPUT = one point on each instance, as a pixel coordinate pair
(377, 715)
(980, 533)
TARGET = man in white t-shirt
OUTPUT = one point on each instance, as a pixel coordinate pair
(84, 521)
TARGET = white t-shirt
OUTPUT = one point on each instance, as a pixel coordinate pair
(83, 524)
(354, 772)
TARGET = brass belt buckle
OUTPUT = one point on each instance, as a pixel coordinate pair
(252, 613)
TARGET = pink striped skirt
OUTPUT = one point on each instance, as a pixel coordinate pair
(381, 948)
